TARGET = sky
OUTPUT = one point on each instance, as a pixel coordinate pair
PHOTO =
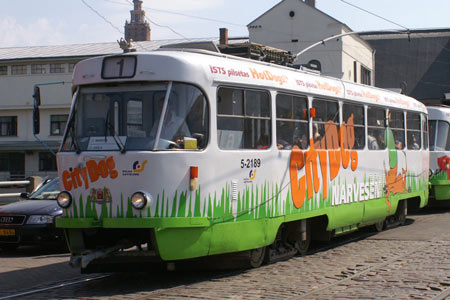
(61, 22)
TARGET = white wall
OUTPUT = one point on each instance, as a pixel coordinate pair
(278, 29)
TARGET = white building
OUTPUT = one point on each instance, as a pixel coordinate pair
(293, 25)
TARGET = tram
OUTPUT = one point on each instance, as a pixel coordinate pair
(439, 117)
(178, 154)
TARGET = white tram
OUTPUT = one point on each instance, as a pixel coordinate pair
(439, 118)
(189, 153)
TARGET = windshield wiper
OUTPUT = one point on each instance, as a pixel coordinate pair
(116, 138)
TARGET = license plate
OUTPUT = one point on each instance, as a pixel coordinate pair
(7, 232)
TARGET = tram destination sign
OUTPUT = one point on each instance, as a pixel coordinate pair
(119, 67)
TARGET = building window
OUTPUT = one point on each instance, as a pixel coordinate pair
(355, 71)
(18, 69)
(3, 70)
(71, 67)
(243, 119)
(365, 76)
(315, 65)
(38, 69)
(57, 124)
(8, 126)
(47, 161)
(57, 68)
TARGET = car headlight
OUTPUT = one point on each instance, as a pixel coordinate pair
(64, 199)
(139, 200)
(40, 219)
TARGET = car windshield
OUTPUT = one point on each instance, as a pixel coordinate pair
(48, 191)
(127, 117)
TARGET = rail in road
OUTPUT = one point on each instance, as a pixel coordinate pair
(408, 262)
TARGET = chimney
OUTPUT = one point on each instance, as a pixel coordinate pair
(223, 36)
(311, 2)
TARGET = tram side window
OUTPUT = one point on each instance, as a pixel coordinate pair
(442, 136)
(292, 121)
(243, 119)
(376, 128)
(353, 122)
(424, 131)
(413, 131)
(326, 124)
(397, 125)
(432, 133)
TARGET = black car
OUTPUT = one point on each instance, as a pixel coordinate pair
(32, 221)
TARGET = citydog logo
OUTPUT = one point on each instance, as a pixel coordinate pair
(337, 144)
(137, 167)
(75, 177)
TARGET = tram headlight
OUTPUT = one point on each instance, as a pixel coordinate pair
(64, 199)
(139, 200)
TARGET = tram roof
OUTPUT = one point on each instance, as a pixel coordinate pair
(441, 112)
(198, 68)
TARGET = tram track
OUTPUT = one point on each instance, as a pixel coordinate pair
(53, 287)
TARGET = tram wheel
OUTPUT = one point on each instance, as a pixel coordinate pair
(378, 227)
(257, 257)
(303, 246)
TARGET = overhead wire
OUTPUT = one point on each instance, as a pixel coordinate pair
(103, 17)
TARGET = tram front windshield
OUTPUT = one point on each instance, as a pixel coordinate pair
(138, 117)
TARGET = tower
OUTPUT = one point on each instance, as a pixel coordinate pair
(138, 28)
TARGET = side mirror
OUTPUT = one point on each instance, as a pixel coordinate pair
(24, 195)
(36, 115)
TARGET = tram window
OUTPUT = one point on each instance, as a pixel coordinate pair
(432, 133)
(186, 119)
(413, 131)
(442, 135)
(424, 131)
(243, 119)
(376, 120)
(327, 118)
(397, 125)
(353, 122)
(134, 119)
(292, 121)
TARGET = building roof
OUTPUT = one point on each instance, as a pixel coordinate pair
(82, 50)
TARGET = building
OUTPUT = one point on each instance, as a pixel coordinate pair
(294, 25)
(138, 28)
(414, 62)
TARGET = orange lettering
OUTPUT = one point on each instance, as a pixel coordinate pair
(311, 170)
(66, 182)
(323, 168)
(111, 167)
(103, 169)
(298, 186)
(92, 170)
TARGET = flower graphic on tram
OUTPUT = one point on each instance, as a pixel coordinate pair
(137, 167)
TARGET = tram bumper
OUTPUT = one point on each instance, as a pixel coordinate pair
(155, 238)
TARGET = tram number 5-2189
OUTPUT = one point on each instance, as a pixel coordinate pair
(250, 163)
